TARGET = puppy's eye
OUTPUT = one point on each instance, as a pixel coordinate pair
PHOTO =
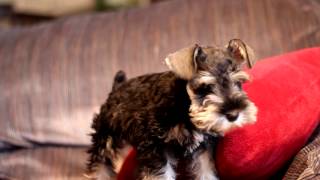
(229, 61)
(205, 89)
(238, 84)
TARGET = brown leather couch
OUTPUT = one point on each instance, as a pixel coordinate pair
(54, 76)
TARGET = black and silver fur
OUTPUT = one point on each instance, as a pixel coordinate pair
(174, 115)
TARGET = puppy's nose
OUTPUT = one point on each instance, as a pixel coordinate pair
(232, 116)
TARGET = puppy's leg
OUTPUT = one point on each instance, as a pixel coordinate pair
(202, 165)
(102, 152)
(154, 164)
(100, 164)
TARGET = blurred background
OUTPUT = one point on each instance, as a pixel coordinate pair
(15, 13)
(58, 59)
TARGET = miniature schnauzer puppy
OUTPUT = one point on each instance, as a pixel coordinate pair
(174, 115)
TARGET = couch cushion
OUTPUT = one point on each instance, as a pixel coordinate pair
(44, 163)
(306, 164)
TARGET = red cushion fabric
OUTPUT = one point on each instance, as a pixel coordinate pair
(128, 167)
(286, 90)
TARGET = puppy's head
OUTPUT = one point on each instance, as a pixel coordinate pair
(215, 78)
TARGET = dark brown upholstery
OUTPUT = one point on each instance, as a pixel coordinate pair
(306, 164)
(54, 76)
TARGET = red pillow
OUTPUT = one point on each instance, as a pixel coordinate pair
(286, 90)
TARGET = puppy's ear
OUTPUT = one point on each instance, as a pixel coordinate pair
(183, 62)
(199, 58)
(241, 52)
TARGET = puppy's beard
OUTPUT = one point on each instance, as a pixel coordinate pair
(208, 118)
(250, 113)
(204, 118)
